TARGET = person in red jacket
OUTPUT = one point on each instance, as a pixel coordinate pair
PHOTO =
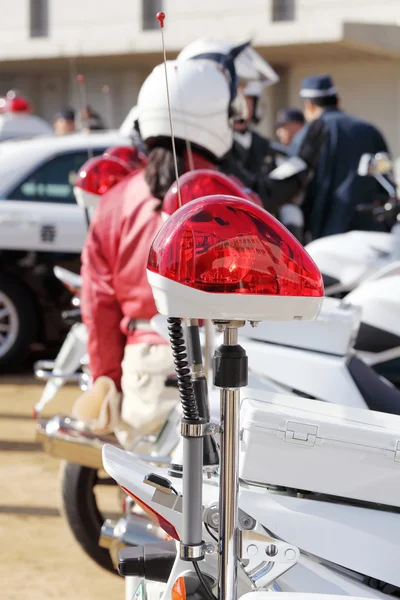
(129, 361)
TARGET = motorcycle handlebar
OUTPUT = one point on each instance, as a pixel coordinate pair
(72, 315)
(380, 211)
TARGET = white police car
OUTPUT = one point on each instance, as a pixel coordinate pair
(40, 226)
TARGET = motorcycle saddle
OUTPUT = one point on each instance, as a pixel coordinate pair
(329, 281)
(373, 339)
(378, 393)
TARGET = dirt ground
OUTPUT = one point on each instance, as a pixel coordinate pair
(39, 558)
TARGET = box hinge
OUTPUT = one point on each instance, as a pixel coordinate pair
(301, 433)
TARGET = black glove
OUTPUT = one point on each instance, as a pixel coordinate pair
(311, 146)
(231, 166)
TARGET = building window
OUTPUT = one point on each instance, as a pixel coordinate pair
(39, 18)
(150, 8)
(283, 10)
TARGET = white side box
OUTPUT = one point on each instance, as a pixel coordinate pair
(320, 447)
(333, 332)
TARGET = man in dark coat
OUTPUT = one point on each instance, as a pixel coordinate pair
(336, 189)
(251, 150)
(253, 157)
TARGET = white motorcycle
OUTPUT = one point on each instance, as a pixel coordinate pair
(322, 366)
(305, 497)
(325, 355)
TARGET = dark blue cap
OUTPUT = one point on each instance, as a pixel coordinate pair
(317, 86)
(68, 114)
(288, 115)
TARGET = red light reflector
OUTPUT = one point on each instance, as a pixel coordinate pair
(227, 245)
(100, 174)
(205, 182)
(17, 104)
(129, 155)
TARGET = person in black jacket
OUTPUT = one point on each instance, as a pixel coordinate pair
(330, 205)
(253, 158)
(251, 150)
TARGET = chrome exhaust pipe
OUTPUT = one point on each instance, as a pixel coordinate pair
(70, 439)
(133, 530)
(45, 370)
(44, 365)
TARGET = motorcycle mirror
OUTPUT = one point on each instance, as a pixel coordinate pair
(383, 163)
(378, 164)
(72, 281)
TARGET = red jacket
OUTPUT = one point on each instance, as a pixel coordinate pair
(115, 287)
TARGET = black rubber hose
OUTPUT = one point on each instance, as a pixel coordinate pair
(200, 391)
(177, 340)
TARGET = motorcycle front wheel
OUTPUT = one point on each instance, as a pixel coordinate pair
(81, 509)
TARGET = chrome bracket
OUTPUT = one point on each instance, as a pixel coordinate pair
(263, 561)
(222, 324)
(197, 430)
(198, 552)
(171, 501)
(211, 517)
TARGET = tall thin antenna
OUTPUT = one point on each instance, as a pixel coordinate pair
(73, 73)
(161, 18)
(82, 97)
(83, 100)
(108, 105)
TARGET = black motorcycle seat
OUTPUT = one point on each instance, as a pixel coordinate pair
(372, 339)
(328, 280)
(378, 393)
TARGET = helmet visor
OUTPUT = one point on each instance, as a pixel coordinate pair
(251, 66)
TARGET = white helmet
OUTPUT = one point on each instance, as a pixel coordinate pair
(254, 89)
(128, 123)
(200, 98)
(249, 64)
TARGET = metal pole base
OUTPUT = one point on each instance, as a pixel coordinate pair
(229, 487)
(230, 374)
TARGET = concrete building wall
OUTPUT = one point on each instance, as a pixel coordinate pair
(95, 27)
(53, 90)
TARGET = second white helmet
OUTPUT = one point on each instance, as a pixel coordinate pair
(200, 98)
(249, 64)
